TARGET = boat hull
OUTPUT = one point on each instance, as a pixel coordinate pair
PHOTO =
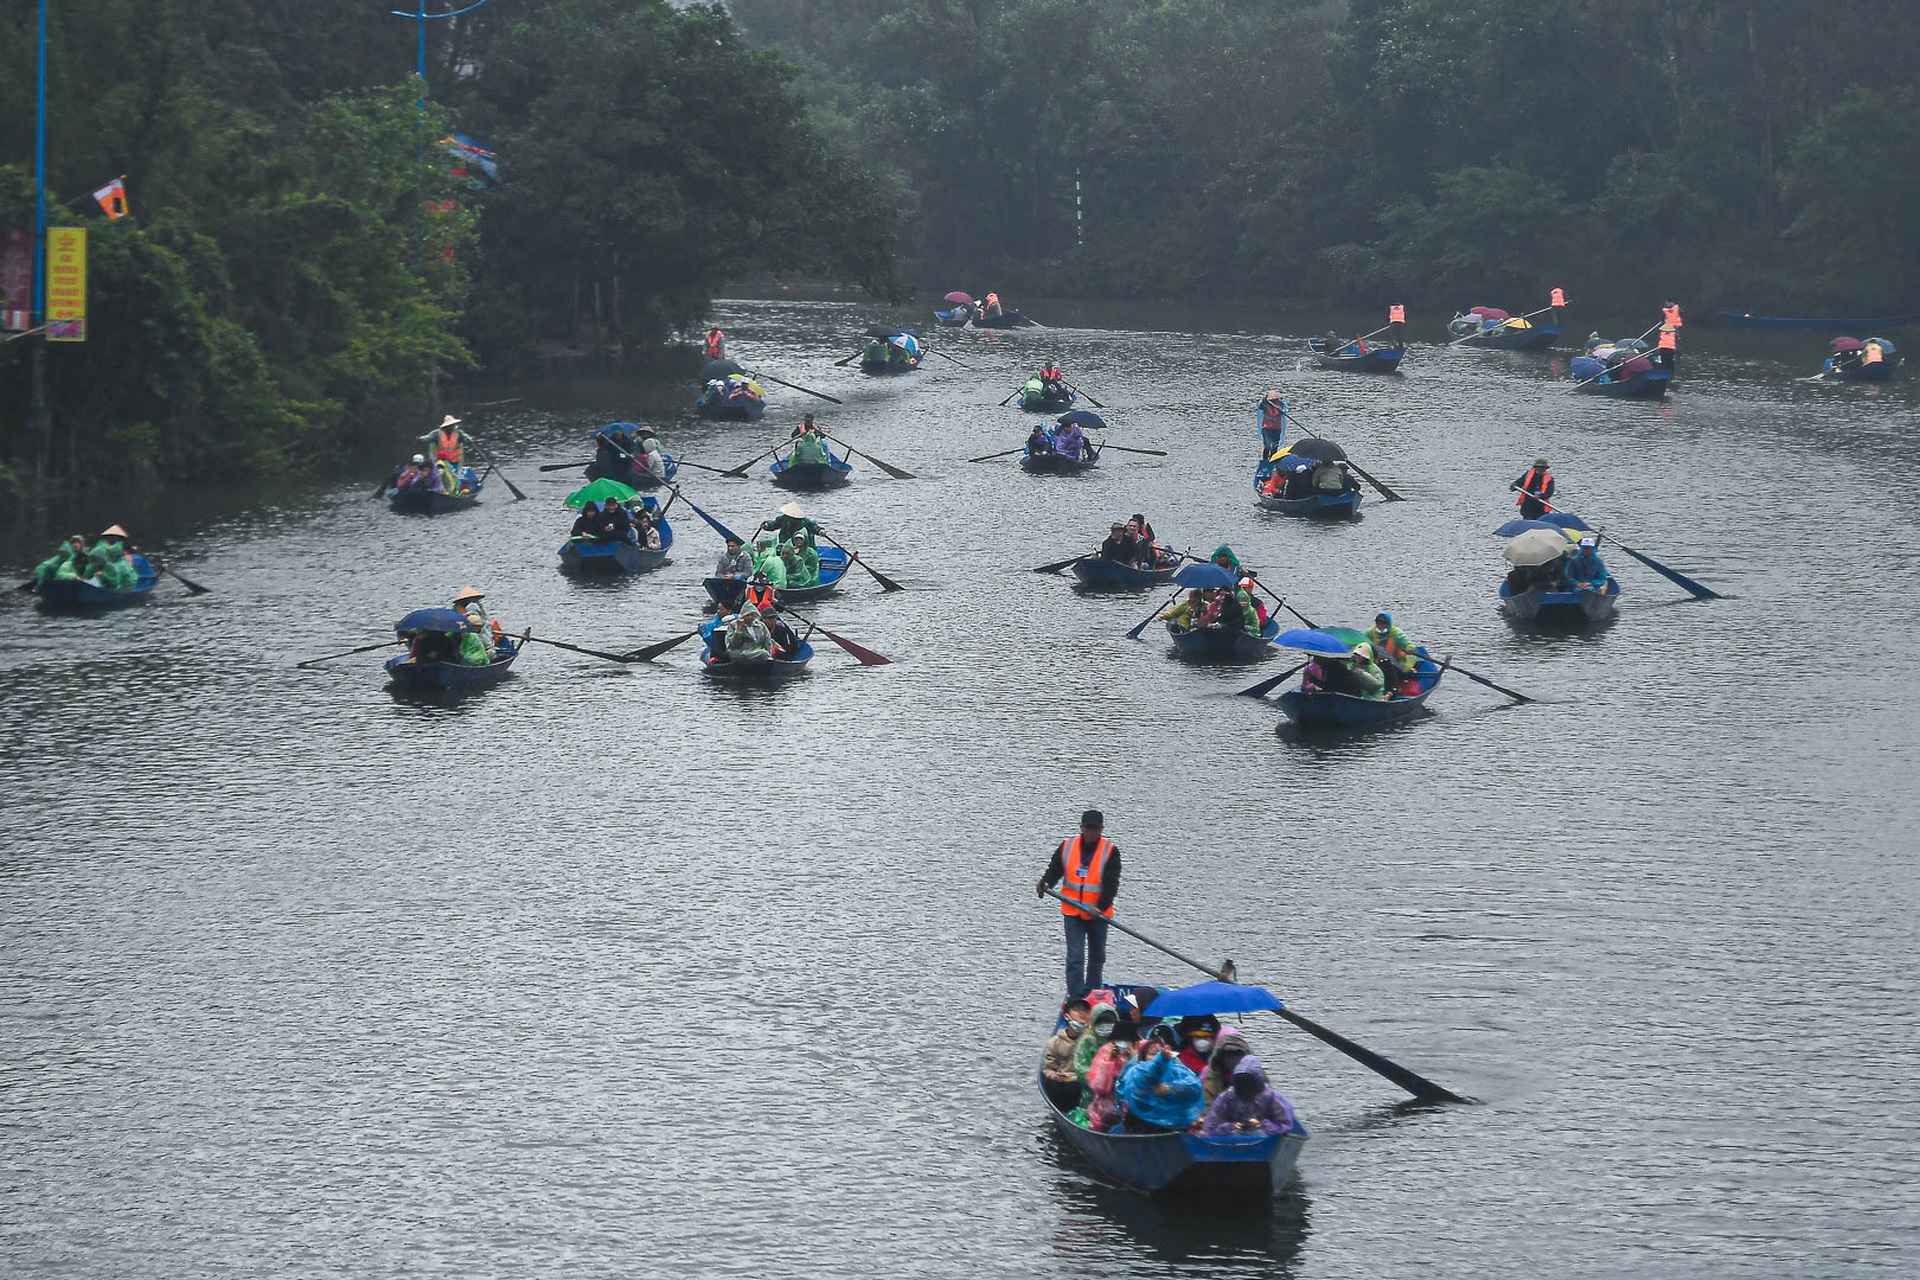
(729, 592)
(769, 672)
(1114, 575)
(1649, 385)
(408, 674)
(1374, 360)
(1220, 644)
(730, 410)
(1534, 338)
(1561, 608)
(584, 558)
(1323, 710)
(812, 476)
(1046, 403)
(1007, 320)
(884, 367)
(430, 502)
(1880, 371)
(1240, 1167)
(1315, 506)
(84, 597)
(1059, 464)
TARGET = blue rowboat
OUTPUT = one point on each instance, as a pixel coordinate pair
(1590, 376)
(1223, 644)
(1849, 367)
(723, 409)
(1372, 360)
(82, 596)
(958, 318)
(432, 502)
(1323, 710)
(889, 366)
(1504, 337)
(1096, 571)
(1235, 1168)
(1563, 608)
(583, 557)
(834, 473)
(1041, 402)
(1313, 506)
(834, 564)
(1747, 320)
(1059, 464)
(769, 671)
(408, 674)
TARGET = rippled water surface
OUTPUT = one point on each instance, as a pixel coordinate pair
(608, 971)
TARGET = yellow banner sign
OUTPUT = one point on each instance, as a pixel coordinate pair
(66, 284)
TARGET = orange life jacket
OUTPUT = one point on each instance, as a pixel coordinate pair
(1559, 298)
(1273, 415)
(1081, 886)
(1671, 316)
(760, 598)
(716, 344)
(446, 446)
(1396, 314)
(1873, 354)
(1536, 480)
(1667, 342)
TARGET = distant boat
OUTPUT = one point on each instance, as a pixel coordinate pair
(1747, 320)
(1348, 356)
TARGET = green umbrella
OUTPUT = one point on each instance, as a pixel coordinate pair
(600, 491)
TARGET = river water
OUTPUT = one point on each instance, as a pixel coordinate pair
(608, 971)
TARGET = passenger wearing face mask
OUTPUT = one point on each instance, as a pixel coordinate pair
(1111, 1057)
(1062, 1081)
(1228, 1049)
(1159, 1093)
(1197, 1035)
(1250, 1106)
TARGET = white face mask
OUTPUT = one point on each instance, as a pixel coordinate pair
(1103, 1029)
(1203, 1046)
(1076, 1026)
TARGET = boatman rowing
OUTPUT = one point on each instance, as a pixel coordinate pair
(1089, 863)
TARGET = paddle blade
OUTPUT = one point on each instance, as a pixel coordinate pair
(653, 651)
(1058, 565)
(886, 584)
(867, 657)
(1385, 492)
(1266, 687)
(1695, 589)
(192, 587)
(895, 472)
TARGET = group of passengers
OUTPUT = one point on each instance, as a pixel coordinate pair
(438, 476)
(1131, 543)
(614, 521)
(622, 451)
(808, 446)
(755, 633)
(480, 642)
(107, 564)
(1380, 668)
(1063, 437)
(1227, 607)
(1113, 1069)
(1578, 568)
(1296, 477)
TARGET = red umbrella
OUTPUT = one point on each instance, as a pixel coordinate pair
(958, 296)
(1847, 344)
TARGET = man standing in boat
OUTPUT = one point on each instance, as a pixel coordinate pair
(1536, 490)
(1089, 865)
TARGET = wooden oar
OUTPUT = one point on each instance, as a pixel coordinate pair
(1610, 368)
(867, 657)
(1516, 696)
(700, 466)
(746, 466)
(886, 583)
(1004, 453)
(1697, 590)
(329, 657)
(653, 651)
(944, 356)
(797, 387)
(1058, 565)
(718, 528)
(191, 586)
(1010, 399)
(1083, 395)
(591, 653)
(1385, 492)
(841, 364)
(1412, 1081)
(385, 485)
(1154, 453)
(1266, 687)
(511, 487)
(895, 472)
(1281, 602)
(566, 466)
(1134, 633)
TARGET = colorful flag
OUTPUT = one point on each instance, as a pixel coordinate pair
(113, 198)
(66, 284)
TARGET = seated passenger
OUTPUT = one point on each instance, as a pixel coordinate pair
(748, 639)
(1106, 1065)
(1068, 441)
(1249, 1106)
(1224, 557)
(473, 650)
(70, 561)
(1395, 653)
(1186, 614)
(415, 475)
(1228, 1050)
(734, 562)
(1117, 545)
(1196, 1040)
(1157, 1091)
(1329, 479)
(1253, 603)
(807, 450)
(809, 560)
(587, 522)
(617, 521)
(447, 478)
(651, 460)
(645, 533)
(1299, 483)
(430, 646)
(786, 643)
(1040, 441)
(767, 560)
(1059, 1079)
(1585, 570)
(114, 570)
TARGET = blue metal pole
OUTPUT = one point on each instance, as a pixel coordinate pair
(422, 20)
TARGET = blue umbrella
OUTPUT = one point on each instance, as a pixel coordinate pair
(1203, 574)
(1212, 997)
(1085, 419)
(448, 620)
(1566, 520)
(1514, 528)
(1313, 642)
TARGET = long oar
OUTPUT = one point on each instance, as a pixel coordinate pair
(886, 583)
(841, 364)
(565, 466)
(1266, 687)
(511, 487)
(746, 466)
(944, 356)
(1412, 1081)
(1282, 602)
(1058, 565)
(1610, 368)
(653, 651)
(1134, 632)
(797, 387)
(1385, 492)
(329, 657)
(867, 657)
(1477, 679)
(1083, 395)
(1009, 400)
(1004, 453)
(1154, 453)
(718, 528)
(192, 586)
(700, 466)
(591, 653)
(895, 472)
(1698, 591)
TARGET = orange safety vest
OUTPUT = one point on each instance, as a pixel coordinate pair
(1273, 417)
(1873, 354)
(447, 446)
(1396, 314)
(1081, 887)
(1667, 342)
(760, 598)
(1559, 298)
(1671, 316)
(1536, 480)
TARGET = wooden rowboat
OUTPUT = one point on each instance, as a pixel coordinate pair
(1505, 337)
(82, 596)
(1059, 464)
(584, 557)
(432, 502)
(834, 473)
(1323, 710)
(1372, 360)
(767, 671)
(1099, 572)
(1041, 402)
(1223, 644)
(1566, 608)
(729, 592)
(408, 674)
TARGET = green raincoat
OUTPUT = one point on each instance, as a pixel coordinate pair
(807, 451)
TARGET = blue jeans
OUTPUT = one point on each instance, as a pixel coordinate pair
(1086, 953)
